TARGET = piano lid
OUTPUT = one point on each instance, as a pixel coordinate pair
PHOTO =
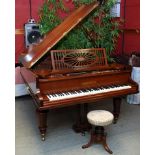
(30, 58)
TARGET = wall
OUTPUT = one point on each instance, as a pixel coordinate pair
(128, 42)
(22, 14)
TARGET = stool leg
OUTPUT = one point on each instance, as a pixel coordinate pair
(105, 145)
(90, 142)
(98, 135)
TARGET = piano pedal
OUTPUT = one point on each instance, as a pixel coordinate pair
(83, 133)
(81, 128)
(115, 120)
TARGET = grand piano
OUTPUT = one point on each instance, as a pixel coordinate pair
(72, 77)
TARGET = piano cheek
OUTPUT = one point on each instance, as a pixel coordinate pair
(42, 97)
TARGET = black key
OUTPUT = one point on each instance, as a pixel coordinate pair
(106, 87)
(83, 91)
(112, 86)
(75, 92)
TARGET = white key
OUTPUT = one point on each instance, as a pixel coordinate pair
(90, 92)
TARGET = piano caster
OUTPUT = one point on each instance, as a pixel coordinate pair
(83, 133)
(43, 137)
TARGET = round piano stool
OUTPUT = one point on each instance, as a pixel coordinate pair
(99, 119)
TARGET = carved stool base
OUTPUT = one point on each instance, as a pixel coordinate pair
(98, 135)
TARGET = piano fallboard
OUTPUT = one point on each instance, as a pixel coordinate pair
(85, 80)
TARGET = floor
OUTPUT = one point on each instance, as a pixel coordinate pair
(123, 138)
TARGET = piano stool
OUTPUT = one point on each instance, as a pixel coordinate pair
(99, 119)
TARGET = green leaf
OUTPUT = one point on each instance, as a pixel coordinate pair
(103, 34)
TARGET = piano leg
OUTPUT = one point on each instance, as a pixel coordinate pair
(116, 108)
(82, 124)
(42, 116)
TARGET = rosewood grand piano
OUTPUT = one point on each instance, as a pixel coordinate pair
(72, 77)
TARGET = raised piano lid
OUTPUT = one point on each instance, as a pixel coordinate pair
(30, 58)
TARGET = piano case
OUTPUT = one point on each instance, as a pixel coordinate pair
(63, 72)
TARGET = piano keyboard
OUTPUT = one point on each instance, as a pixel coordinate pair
(85, 92)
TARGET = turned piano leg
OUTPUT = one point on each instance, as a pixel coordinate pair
(42, 117)
(116, 108)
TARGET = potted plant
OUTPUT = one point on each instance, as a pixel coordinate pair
(97, 30)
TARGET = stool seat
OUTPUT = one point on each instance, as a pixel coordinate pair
(100, 117)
